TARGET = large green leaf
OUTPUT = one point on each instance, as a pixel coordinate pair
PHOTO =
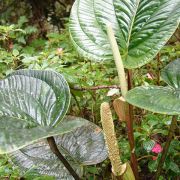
(156, 99)
(31, 107)
(142, 27)
(165, 100)
(16, 133)
(83, 146)
(61, 90)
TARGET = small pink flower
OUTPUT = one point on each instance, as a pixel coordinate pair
(60, 51)
(149, 76)
(157, 148)
(11, 45)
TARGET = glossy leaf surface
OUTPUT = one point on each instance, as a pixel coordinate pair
(142, 27)
(59, 86)
(82, 146)
(156, 99)
(31, 107)
(16, 134)
(164, 100)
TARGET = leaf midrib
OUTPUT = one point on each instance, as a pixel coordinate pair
(131, 27)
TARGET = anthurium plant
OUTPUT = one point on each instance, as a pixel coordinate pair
(130, 32)
(159, 99)
(37, 133)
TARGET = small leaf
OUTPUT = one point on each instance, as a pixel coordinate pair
(15, 52)
(160, 131)
(152, 165)
(148, 145)
(113, 92)
(174, 167)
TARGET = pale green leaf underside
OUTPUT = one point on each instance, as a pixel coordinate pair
(16, 134)
(59, 86)
(162, 100)
(142, 27)
(82, 146)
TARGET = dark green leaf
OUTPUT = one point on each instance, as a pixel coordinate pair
(142, 27)
(156, 99)
(152, 165)
(174, 167)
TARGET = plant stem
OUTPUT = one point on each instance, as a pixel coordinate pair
(158, 69)
(118, 60)
(143, 157)
(124, 89)
(130, 80)
(55, 150)
(166, 147)
(129, 121)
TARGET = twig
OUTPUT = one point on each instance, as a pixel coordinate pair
(55, 150)
(143, 157)
(94, 88)
(166, 147)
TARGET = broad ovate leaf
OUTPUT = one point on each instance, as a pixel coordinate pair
(164, 100)
(142, 27)
(82, 146)
(30, 109)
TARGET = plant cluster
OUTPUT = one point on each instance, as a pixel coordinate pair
(36, 130)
